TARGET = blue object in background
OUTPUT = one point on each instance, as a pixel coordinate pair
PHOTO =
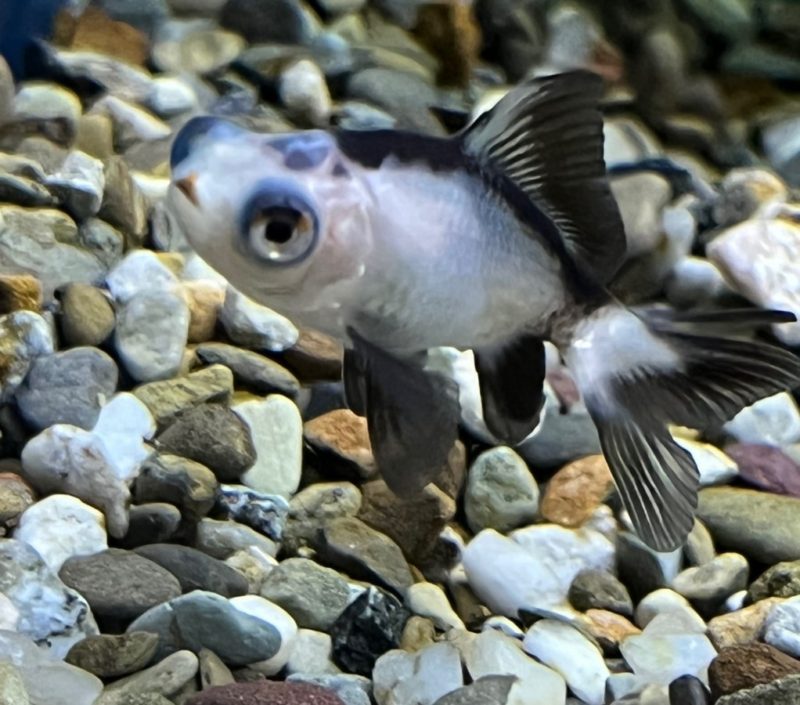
(22, 21)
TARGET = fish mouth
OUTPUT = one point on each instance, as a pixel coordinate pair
(188, 187)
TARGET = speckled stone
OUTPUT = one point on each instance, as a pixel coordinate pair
(266, 693)
(87, 317)
(114, 655)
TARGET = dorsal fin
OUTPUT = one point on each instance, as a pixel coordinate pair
(546, 136)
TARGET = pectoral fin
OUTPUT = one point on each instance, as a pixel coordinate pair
(412, 414)
(511, 380)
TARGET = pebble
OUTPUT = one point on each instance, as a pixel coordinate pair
(767, 468)
(104, 241)
(494, 654)
(47, 611)
(166, 678)
(67, 387)
(688, 690)
(47, 109)
(782, 626)
(741, 627)
(780, 580)
(171, 478)
(668, 602)
(67, 459)
(740, 667)
(418, 633)
(124, 205)
(501, 493)
(47, 681)
(341, 440)
(597, 589)
(313, 595)
(207, 620)
(312, 653)
(641, 197)
(363, 553)
(745, 191)
(114, 655)
(24, 192)
(642, 569)
(353, 690)
(534, 568)
(608, 629)
(24, 336)
(304, 92)
(214, 436)
(78, 184)
(119, 585)
(255, 372)
(370, 625)
(254, 565)
(15, 497)
(277, 431)
(195, 570)
(222, 539)
(86, 317)
(413, 523)
(568, 652)
(213, 671)
(699, 547)
(708, 586)
(254, 326)
(6, 91)
(132, 124)
(45, 241)
(573, 494)
(171, 96)
(773, 421)
(138, 272)
(429, 600)
(780, 143)
(266, 692)
(489, 690)
(167, 399)
(59, 527)
(124, 425)
(151, 522)
(12, 687)
(666, 650)
(314, 505)
(781, 692)
(19, 292)
(762, 526)
(280, 619)
(421, 678)
(714, 466)
(266, 513)
(205, 301)
(151, 335)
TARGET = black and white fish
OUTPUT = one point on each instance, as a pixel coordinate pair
(496, 239)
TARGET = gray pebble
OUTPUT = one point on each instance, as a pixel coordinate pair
(196, 570)
(260, 21)
(114, 655)
(266, 513)
(23, 191)
(151, 334)
(123, 205)
(251, 370)
(213, 671)
(6, 91)
(103, 240)
(164, 679)
(352, 689)
(180, 481)
(152, 522)
(709, 585)
(222, 539)
(207, 620)
(597, 589)
(68, 387)
(313, 595)
(47, 109)
(119, 585)
(78, 184)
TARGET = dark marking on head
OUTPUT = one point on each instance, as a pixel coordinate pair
(302, 151)
(371, 147)
(340, 170)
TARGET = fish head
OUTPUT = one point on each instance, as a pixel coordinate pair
(284, 217)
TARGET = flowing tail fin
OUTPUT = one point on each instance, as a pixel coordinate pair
(639, 371)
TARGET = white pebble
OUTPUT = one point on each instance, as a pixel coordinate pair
(311, 654)
(771, 421)
(421, 678)
(568, 652)
(139, 271)
(60, 527)
(280, 619)
(782, 627)
(429, 600)
(494, 654)
(714, 466)
(124, 425)
(305, 93)
(252, 325)
(667, 602)
(277, 430)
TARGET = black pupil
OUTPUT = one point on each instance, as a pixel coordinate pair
(281, 224)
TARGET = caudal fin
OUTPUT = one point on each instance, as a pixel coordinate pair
(640, 371)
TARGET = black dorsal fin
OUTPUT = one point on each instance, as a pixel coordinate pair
(546, 136)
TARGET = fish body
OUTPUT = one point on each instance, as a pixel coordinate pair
(495, 240)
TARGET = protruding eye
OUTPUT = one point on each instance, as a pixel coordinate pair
(280, 227)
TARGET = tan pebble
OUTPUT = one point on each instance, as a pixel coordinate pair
(418, 633)
(608, 628)
(205, 302)
(20, 292)
(740, 627)
(576, 491)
